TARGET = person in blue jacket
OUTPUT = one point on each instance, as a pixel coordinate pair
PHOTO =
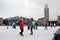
(31, 25)
(14, 24)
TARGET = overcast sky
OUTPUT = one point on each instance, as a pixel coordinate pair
(29, 8)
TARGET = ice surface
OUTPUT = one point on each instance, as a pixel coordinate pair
(39, 34)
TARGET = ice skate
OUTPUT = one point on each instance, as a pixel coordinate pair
(31, 33)
(21, 34)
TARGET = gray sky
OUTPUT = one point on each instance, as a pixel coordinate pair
(29, 8)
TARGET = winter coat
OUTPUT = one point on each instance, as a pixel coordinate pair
(13, 24)
(31, 24)
(21, 24)
(46, 25)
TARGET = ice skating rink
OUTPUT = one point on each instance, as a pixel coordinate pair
(39, 34)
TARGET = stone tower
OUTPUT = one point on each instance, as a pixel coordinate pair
(46, 14)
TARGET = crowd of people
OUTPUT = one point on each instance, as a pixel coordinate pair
(21, 24)
(30, 25)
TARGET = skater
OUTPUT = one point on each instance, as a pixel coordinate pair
(36, 25)
(21, 26)
(7, 23)
(14, 24)
(46, 25)
(31, 26)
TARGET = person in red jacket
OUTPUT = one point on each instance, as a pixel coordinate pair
(21, 26)
(46, 25)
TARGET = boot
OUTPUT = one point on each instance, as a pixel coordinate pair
(31, 33)
(22, 35)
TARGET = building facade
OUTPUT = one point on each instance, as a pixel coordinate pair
(1, 21)
(58, 19)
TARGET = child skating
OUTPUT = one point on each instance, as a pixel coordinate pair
(14, 25)
(46, 25)
(21, 26)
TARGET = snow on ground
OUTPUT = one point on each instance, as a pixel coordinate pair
(39, 34)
